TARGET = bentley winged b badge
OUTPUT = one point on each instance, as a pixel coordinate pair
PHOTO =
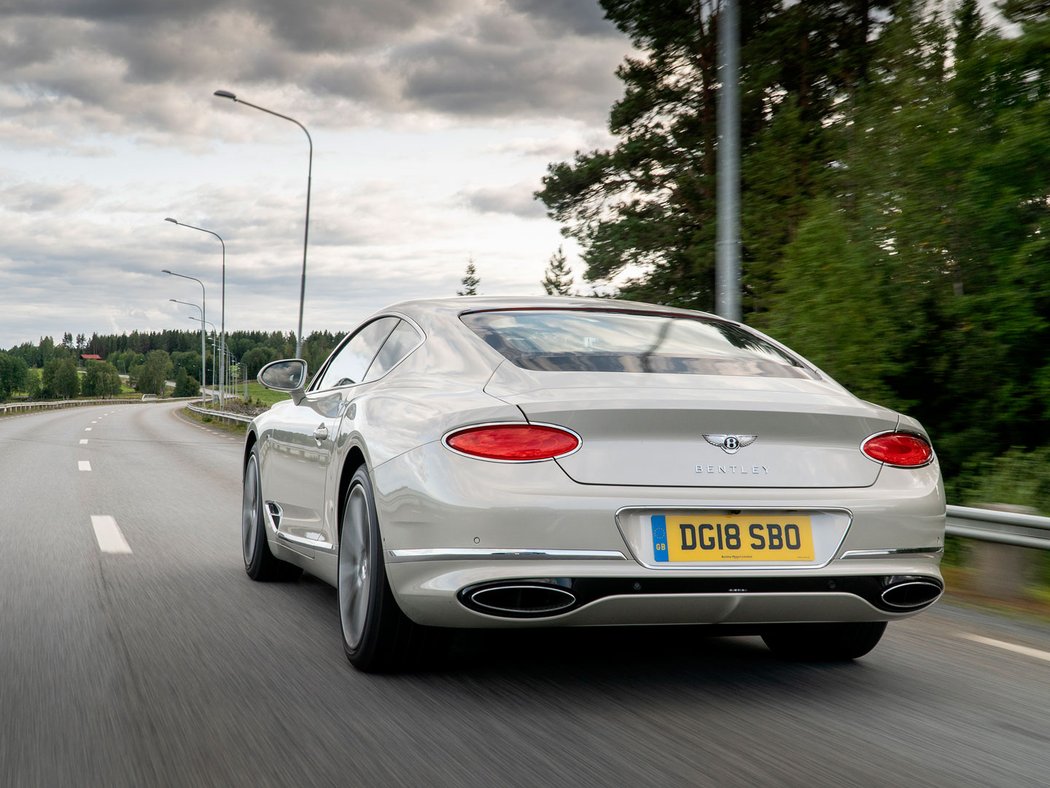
(730, 444)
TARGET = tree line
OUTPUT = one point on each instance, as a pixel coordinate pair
(50, 370)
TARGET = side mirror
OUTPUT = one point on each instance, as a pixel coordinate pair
(288, 375)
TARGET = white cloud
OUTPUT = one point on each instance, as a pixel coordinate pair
(433, 122)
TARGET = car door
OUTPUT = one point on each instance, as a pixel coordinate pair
(301, 445)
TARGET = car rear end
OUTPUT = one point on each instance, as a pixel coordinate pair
(661, 467)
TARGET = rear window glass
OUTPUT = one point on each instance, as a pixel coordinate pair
(600, 341)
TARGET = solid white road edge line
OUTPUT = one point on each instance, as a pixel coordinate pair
(83, 465)
(108, 535)
(1028, 652)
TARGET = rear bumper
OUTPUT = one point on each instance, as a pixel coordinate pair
(451, 525)
(440, 593)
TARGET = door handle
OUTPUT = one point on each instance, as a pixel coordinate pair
(321, 433)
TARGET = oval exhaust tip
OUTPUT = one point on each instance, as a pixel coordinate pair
(522, 600)
(912, 595)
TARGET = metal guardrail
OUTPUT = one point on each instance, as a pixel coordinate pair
(990, 525)
(235, 418)
(26, 407)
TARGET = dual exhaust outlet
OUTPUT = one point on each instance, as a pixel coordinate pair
(548, 598)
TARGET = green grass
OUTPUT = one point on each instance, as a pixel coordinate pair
(256, 391)
(215, 423)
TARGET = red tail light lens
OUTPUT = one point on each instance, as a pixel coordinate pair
(902, 449)
(514, 442)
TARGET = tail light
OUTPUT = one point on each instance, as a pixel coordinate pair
(513, 442)
(900, 449)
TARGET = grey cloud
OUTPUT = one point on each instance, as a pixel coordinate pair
(106, 9)
(40, 198)
(514, 200)
(121, 66)
(583, 17)
(336, 25)
(472, 77)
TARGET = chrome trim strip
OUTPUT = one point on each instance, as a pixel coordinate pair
(314, 544)
(499, 554)
(892, 552)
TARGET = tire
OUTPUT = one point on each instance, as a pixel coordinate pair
(259, 563)
(824, 642)
(377, 635)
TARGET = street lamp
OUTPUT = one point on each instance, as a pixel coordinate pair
(204, 314)
(214, 350)
(306, 229)
(201, 310)
(222, 331)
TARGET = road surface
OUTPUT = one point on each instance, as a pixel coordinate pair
(134, 651)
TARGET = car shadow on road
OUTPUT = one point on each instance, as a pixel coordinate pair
(664, 653)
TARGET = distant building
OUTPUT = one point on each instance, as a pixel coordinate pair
(90, 357)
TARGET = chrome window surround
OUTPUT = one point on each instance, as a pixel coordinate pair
(499, 554)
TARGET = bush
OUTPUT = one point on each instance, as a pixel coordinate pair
(1019, 477)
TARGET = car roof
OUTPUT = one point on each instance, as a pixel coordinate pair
(450, 307)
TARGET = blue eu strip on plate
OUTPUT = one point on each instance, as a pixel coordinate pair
(660, 537)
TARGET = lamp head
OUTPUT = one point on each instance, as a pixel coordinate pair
(169, 219)
(165, 271)
(226, 94)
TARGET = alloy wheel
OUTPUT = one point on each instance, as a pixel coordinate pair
(354, 567)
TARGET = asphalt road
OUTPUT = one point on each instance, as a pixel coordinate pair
(153, 660)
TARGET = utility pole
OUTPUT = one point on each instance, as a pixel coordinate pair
(727, 257)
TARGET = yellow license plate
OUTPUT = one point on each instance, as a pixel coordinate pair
(720, 536)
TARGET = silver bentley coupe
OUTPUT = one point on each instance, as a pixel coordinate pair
(513, 462)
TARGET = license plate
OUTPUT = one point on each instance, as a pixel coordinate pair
(717, 536)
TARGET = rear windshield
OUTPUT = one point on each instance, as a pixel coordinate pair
(614, 341)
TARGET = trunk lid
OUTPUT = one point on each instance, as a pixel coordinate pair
(649, 429)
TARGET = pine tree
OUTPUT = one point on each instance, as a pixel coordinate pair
(557, 280)
(470, 280)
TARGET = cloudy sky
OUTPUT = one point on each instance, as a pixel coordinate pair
(432, 124)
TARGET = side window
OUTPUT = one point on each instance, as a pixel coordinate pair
(350, 363)
(402, 341)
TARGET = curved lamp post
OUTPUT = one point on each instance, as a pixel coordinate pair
(306, 229)
(201, 310)
(204, 314)
(214, 349)
(222, 320)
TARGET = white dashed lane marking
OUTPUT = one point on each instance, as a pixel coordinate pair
(108, 535)
(83, 441)
(83, 465)
(1014, 647)
(87, 429)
